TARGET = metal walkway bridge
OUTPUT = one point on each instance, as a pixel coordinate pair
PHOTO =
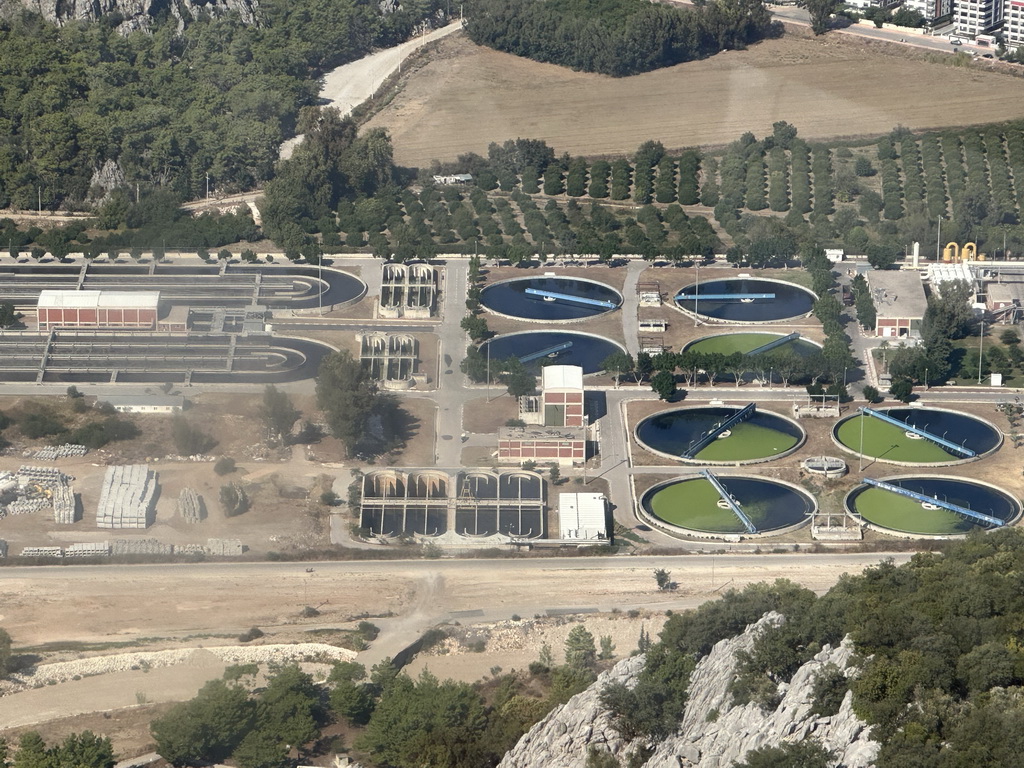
(721, 296)
(964, 511)
(775, 343)
(728, 499)
(940, 441)
(702, 442)
(545, 352)
(569, 297)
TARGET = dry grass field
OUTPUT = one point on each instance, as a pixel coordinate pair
(464, 96)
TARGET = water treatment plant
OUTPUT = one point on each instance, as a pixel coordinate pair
(538, 348)
(743, 300)
(719, 434)
(224, 285)
(931, 505)
(727, 505)
(753, 344)
(916, 435)
(554, 299)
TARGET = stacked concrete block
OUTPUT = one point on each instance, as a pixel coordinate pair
(42, 552)
(191, 506)
(224, 547)
(128, 497)
(88, 549)
(190, 549)
(140, 547)
(65, 510)
(54, 452)
(41, 477)
(27, 506)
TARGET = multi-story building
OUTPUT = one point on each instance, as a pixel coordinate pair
(976, 17)
(930, 9)
(1013, 28)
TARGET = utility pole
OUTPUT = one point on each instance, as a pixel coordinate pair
(40, 199)
(320, 279)
(981, 347)
(696, 292)
(585, 420)
(207, 185)
(938, 242)
(860, 453)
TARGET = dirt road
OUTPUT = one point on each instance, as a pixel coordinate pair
(182, 603)
(351, 84)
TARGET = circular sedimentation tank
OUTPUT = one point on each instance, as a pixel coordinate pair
(566, 298)
(693, 505)
(745, 343)
(790, 300)
(891, 512)
(894, 444)
(553, 347)
(764, 435)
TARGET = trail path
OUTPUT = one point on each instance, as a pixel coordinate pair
(351, 84)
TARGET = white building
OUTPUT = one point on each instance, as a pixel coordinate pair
(976, 17)
(941, 274)
(157, 404)
(1013, 29)
(582, 516)
(930, 9)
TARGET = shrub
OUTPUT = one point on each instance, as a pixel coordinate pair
(225, 466)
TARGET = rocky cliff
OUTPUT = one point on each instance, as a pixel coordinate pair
(561, 739)
(136, 14)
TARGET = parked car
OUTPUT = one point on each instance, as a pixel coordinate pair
(955, 41)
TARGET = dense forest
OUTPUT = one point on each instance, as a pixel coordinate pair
(615, 37)
(161, 110)
(941, 661)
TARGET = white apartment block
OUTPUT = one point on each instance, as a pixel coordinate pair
(1013, 29)
(976, 17)
(930, 9)
(863, 5)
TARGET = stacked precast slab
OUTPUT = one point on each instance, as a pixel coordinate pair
(127, 499)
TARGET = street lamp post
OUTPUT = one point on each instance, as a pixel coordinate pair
(981, 347)
(860, 453)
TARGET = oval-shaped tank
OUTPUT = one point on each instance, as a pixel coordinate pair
(550, 298)
(538, 348)
(746, 300)
(694, 505)
(883, 440)
(685, 434)
(891, 511)
(751, 343)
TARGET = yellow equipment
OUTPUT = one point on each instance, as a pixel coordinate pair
(954, 254)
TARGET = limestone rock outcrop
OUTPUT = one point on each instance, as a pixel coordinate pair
(561, 739)
(712, 733)
(136, 14)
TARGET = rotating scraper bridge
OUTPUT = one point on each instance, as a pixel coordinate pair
(226, 307)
